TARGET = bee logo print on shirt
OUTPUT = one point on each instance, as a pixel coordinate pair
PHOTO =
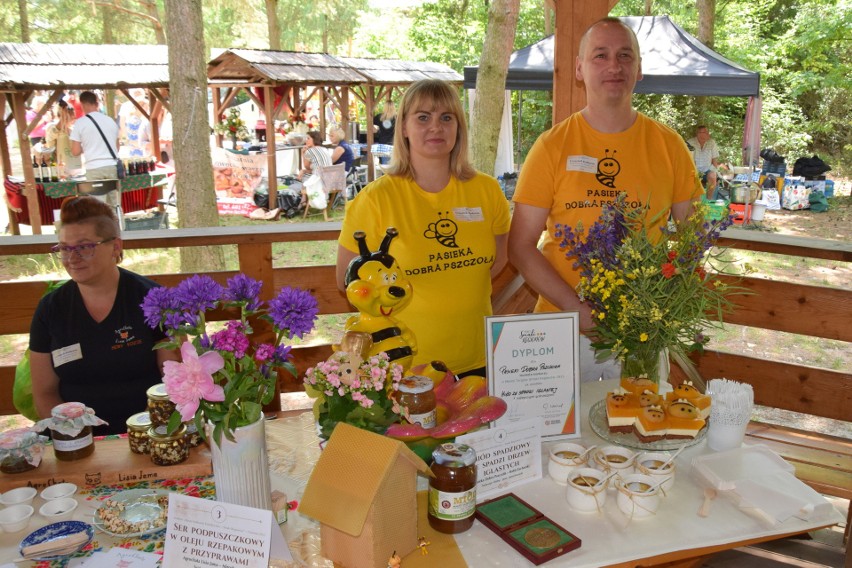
(608, 168)
(124, 336)
(444, 230)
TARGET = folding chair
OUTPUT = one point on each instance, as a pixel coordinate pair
(333, 182)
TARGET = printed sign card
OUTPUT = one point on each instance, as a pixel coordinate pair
(533, 365)
(202, 533)
(505, 458)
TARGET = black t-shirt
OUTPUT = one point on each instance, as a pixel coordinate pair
(109, 365)
(385, 132)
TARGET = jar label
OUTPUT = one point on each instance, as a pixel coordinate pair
(426, 420)
(452, 506)
(72, 445)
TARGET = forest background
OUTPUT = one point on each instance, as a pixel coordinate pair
(801, 48)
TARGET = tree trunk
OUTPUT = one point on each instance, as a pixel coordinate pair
(491, 82)
(272, 24)
(706, 21)
(25, 21)
(196, 199)
(156, 22)
(648, 6)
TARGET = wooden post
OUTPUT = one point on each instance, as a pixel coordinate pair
(30, 189)
(573, 17)
(271, 166)
(6, 162)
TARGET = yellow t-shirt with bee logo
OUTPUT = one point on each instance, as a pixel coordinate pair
(574, 170)
(445, 248)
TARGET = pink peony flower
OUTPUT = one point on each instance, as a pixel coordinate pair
(190, 381)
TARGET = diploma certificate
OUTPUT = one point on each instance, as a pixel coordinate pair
(533, 365)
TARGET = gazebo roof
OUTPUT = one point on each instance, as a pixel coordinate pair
(25, 66)
(267, 66)
(397, 72)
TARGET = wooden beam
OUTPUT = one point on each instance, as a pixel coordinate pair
(573, 17)
(30, 189)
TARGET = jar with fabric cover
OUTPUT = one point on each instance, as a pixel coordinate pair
(21, 450)
(70, 427)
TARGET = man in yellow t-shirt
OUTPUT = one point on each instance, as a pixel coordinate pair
(584, 162)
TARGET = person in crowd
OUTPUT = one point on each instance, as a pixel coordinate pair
(100, 152)
(74, 102)
(453, 225)
(342, 153)
(705, 152)
(57, 138)
(133, 127)
(584, 162)
(313, 157)
(37, 133)
(384, 126)
(89, 341)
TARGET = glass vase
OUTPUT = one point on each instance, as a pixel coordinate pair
(653, 366)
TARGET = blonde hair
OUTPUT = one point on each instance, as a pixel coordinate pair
(337, 132)
(389, 112)
(431, 93)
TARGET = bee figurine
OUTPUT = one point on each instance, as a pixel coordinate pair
(377, 287)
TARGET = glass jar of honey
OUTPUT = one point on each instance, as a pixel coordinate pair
(137, 433)
(21, 450)
(160, 408)
(72, 435)
(452, 492)
(193, 437)
(417, 395)
(168, 449)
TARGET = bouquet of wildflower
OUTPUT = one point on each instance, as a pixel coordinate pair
(233, 125)
(355, 391)
(224, 379)
(298, 124)
(648, 292)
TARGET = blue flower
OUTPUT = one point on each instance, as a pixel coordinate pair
(198, 293)
(294, 310)
(157, 303)
(244, 290)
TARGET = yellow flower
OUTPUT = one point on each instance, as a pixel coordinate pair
(601, 315)
(643, 337)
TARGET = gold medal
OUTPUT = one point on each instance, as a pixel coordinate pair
(541, 537)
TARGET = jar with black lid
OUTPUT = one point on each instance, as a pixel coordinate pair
(137, 433)
(21, 450)
(168, 449)
(417, 395)
(452, 490)
(160, 408)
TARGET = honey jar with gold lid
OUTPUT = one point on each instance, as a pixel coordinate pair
(160, 408)
(137, 433)
(452, 490)
(168, 449)
(417, 395)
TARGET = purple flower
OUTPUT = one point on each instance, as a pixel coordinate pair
(198, 293)
(282, 354)
(178, 320)
(156, 304)
(245, 290)
(264, 352)
(294, 311)
(233, 339)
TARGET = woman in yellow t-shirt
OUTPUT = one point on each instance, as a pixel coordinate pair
(453, 225)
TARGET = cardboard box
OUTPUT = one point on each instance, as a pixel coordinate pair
(363, 493)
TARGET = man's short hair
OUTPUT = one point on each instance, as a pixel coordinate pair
(89, 98)
(610, 20)
(701, 127)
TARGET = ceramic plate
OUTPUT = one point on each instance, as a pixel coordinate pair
(140, 506)
(54, 531)
(598, 422)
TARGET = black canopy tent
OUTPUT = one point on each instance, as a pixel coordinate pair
(673, 62)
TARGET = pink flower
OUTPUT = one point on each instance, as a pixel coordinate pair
(192, 380)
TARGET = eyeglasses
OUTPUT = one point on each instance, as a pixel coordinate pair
(84, 251)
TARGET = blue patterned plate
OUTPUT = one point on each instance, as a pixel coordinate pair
(54, 531)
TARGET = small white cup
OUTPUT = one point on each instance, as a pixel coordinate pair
(18, 496)
(57, 510)
(583, 492)
(637, 498)
(649, 464)
(563, 458)
(615, 458)
(15, 518)
(58, 491)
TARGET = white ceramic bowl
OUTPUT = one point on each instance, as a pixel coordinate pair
(58, 491)
(583, 497)
(563, 458)
(18, 496)
(634, 499)
(15, 518)
(649, 463)
(57, 510)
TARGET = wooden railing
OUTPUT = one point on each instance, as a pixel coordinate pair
(795, 308)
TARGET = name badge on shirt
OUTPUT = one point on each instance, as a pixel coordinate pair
(468, 213)
(586, 164)
(66, 354)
